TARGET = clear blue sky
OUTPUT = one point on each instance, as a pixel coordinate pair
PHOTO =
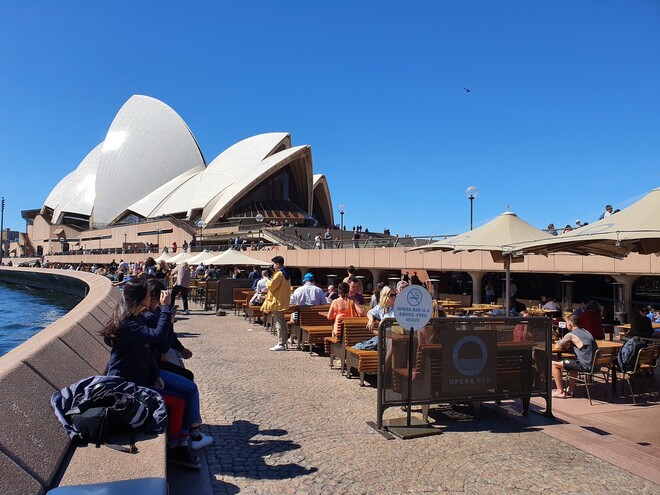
(562, 117)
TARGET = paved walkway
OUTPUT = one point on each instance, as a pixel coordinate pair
(285, 423)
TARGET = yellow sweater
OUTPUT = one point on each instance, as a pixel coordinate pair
(279, 292)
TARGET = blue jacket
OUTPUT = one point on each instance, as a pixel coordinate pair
(131, 356)
(76, 394)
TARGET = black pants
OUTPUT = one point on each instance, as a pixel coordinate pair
(184, 295)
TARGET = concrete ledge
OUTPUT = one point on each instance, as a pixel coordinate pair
(33, 444)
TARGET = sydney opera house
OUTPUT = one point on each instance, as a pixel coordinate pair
(149, 168)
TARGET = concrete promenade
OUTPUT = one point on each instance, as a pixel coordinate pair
(285, 423)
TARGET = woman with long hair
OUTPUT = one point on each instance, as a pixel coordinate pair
(131, 358)
(384, 308)
(343, 307)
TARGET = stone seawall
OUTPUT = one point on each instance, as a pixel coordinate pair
(32, 441)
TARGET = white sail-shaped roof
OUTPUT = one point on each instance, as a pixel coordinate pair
(147, 145)
(150, 165)
(81, 191)
(242, 180)
(221, 173)
(65, 188)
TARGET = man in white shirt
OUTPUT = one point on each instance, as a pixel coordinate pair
(308, 294)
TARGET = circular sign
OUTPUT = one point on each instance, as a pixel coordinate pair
(470, 363)
(413, 307)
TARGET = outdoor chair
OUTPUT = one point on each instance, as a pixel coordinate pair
(645, 364)
(601, 365)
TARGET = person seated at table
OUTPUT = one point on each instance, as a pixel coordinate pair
(551, 305)
(640, 325)
(516, 307)
(520, 332)
(384, 308)
(308, 294)
(376, 295)
(343, 307)
(354, 292)
(584, 346)
(592, 321)
(582, 307)
(331, 294)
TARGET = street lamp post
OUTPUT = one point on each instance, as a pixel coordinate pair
(158, 237)
(342, 209)
(471, 193)
(259, 218)
(201, 224)
(124, 248)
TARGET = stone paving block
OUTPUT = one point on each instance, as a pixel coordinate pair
(15, 481)
(30, 431)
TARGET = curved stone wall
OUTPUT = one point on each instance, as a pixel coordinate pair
(32, 441)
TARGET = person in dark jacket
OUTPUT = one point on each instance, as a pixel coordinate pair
(592, 321)
(640, 325)
(131, 339)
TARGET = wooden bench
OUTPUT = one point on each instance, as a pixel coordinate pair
(240, 299)
(254, 312)
(306, 312)
(311, 326)
(335, 347)
(361, 361)
(427, 376)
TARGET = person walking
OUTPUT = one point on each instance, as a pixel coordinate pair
(182, 273)
(277, 300)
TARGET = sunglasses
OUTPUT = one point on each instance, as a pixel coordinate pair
(392, 294)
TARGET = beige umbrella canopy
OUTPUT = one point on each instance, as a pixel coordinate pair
(633, 229)
(499, 236)
(179, 258)
(201, 257)
(233, 257)
(164, 257)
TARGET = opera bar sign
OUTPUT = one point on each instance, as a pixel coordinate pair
(469, 361)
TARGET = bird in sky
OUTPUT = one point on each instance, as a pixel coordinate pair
(466, 90)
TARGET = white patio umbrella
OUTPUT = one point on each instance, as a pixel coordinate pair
(179, 258)
(164, 257)
(201, 257)
(633, 229)
(233, 257)
(497, 237)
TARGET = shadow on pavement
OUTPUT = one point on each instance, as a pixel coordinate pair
(239, 454)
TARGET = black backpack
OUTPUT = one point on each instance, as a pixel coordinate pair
(628, 353)
(108, 413)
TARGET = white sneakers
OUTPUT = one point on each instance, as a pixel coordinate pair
(201, 443)
(186, 312)
(278, 347)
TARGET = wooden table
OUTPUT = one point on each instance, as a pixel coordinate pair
(627, 326)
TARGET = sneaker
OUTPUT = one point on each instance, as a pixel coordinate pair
(278, 347)
(181, 456)
(186, 312)
(200, 442)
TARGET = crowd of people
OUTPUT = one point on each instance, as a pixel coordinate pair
(551, 229)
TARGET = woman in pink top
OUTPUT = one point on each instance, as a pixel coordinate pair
(343, 307)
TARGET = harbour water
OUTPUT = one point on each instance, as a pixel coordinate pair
(24, 312)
